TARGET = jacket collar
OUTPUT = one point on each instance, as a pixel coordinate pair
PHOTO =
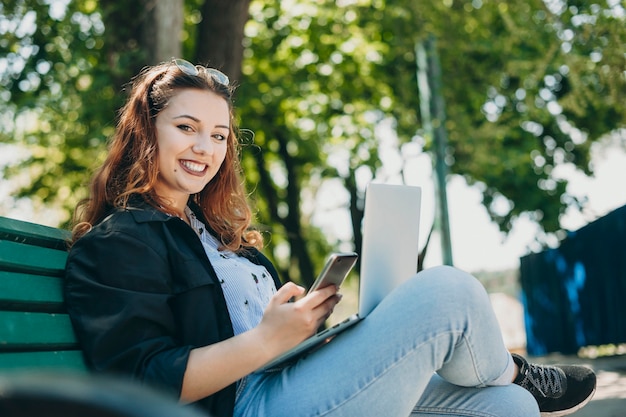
(147, 214)
(143, 212)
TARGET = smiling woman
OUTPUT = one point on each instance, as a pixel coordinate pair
(165, 283)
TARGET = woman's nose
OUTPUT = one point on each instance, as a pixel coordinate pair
(203, 145)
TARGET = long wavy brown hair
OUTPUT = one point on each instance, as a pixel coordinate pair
(131, 170)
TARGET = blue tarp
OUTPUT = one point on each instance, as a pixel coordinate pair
(575, 295)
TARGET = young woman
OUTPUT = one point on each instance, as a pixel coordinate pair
(166, 284)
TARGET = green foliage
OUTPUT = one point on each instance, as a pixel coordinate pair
(62, 69)
(57, 99)
(311, 94)
(528, 87)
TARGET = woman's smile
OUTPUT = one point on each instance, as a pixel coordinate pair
(194, 168)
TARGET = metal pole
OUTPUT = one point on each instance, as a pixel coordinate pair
(432, 109)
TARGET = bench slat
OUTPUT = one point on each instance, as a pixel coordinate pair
(21, 257)
(35, 331)
(32, 234)
(26, 292)
(65, 359)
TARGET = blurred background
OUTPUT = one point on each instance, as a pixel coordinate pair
(510, 115)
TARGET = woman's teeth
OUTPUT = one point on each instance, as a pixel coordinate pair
(193, 166)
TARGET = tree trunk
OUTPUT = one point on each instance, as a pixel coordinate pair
(292, 222)
(139, 34)
(220, 35)
(162, 29)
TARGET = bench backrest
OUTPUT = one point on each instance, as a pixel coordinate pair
(35, 330)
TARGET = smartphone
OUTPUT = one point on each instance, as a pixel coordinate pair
(337, 268)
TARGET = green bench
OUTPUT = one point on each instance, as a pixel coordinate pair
(42, 370)
(35, 330)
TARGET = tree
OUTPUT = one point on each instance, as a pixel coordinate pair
(529, 87)
(518, 97)
(48, 55)
(64, 72)
(219, 39)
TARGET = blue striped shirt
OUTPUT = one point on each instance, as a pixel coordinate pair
(247, 287)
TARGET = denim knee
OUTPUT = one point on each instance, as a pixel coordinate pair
(457, 285)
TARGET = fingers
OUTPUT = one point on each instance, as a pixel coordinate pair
(322, 302)
(287, 292)
(330, 303)
(285, 324)
(324, 298)
(320, 295)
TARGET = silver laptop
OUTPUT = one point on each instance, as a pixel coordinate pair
(388, 257)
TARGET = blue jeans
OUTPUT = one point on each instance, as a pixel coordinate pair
(431, 348)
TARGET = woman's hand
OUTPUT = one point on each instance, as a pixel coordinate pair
(285, 324)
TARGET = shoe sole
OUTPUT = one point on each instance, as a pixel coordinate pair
(577, 407)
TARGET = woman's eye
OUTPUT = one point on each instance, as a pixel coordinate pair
(185, 128)
(219, 137)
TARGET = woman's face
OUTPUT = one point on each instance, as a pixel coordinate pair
(192, 133)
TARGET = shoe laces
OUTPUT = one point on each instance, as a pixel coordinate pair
(548, 381)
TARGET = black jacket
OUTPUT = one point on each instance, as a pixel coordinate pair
(142, 293)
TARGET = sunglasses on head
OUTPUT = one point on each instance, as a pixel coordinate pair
(194, 70)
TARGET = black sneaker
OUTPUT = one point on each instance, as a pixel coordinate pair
(560, 389)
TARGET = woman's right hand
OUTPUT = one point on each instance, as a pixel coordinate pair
(285, 324)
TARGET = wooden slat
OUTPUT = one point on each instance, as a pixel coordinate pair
(66, 359)
(33, 234)
(20, 257)
(26, 292)
(35, 331)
